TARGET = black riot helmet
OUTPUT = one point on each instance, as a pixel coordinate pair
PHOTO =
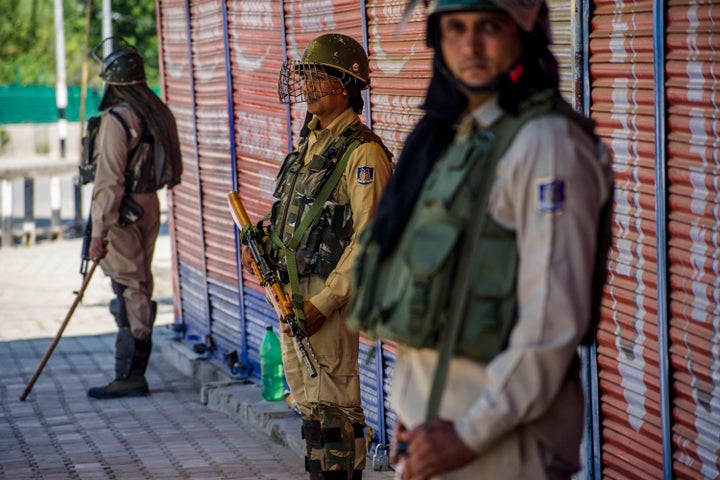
(122, 66)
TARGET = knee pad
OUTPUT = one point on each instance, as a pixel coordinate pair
(124, 352)
(344, 442)
(312, 434)
(117, 305)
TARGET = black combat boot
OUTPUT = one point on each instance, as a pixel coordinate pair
(131, 359)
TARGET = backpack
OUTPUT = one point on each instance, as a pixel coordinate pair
(148, 165)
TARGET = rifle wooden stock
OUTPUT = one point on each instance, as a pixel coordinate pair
(269, 280)
(51, 348)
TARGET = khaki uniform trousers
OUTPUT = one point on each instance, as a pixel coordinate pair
(129, 260)
(332, 398)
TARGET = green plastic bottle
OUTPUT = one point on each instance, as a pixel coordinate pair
(273, 379)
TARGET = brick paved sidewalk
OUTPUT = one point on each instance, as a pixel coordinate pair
(185, 429)
(60, 433)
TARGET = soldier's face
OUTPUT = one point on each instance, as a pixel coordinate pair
(478, 46)
(325, 96)
(319, 85)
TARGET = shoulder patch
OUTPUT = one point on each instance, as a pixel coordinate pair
(365, 175)
(550, 195)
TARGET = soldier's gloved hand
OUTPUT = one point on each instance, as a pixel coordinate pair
(98, 249)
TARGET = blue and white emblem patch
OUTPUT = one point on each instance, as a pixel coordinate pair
(551, 195)
(365, 175)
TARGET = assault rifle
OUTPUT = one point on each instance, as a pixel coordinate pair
(251, 236)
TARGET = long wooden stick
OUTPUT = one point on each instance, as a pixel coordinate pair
(51, 348)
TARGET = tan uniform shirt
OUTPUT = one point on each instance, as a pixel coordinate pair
(521, 411)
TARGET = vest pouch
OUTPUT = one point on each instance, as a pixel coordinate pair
(318, 170)
(413, 299)
(336, 230)
(491, 302)
(129, 212)
(289, 166)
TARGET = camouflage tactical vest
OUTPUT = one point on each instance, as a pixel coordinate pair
(298, 185)
(407, 297)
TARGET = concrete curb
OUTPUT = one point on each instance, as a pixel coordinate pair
(239, 400)
(243, 402)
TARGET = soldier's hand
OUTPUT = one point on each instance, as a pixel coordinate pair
(433, 449)
(246, 258)
(313, 318)
(98, 249)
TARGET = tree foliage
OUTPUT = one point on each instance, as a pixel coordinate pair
(27, 39)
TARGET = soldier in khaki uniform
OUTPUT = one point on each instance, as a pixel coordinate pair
(487, 254)
(314, 248)
(137, 153)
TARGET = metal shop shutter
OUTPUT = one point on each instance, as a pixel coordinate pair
(216, 172)
(622, 81)
(693, 142)
(184, 209)
(563, 45)
(255, 38)
(400, 66)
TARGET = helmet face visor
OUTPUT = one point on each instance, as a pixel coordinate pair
(306, 82)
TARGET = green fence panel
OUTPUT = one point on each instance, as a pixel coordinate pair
(36, 104)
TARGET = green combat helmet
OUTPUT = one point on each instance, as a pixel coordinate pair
(332, 54)
(122, 66)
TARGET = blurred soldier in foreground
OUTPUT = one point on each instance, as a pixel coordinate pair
(487, 256)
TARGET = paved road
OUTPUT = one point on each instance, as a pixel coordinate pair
(60, 433)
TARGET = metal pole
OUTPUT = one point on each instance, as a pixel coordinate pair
(107, 27)
(7, 210)
(61, 100)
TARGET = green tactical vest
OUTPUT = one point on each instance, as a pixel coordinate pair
(406, 298)
(298, 186)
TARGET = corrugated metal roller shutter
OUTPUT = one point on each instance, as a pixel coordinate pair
(216, 172)
(185, 211)
(400, 66)
(256, 53)
(693, 70)
(563, 44)
(621, 67)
